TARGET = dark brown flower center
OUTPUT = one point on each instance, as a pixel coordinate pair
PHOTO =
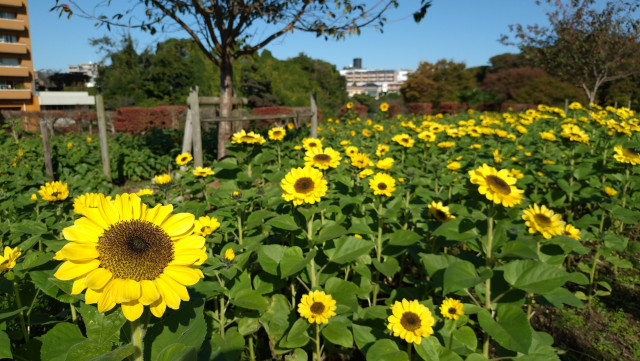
(277, 133)
(55, 194)
(630, 152)
(312, 144)
(452, 310)
(410, 321)
(440, 215)
(317, 308)
(135, 249)
(498, 184)
(303, 185)
(322, 158)
(247, 138)
(382, 186)
(542, 220)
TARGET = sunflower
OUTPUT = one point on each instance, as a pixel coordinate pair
(427, 136)
(446, 145)
(451, 309)
(366, 132)
(349, 105)
(611, 192)
(203, 172)
(543, 220)
(8, 260)
(183, 158)
(382, 184)
(205, 225)
(404, 140)
(54, 191)
(378, 127)
(454, 166)
(384, 107)
(574, 133)
(311, 143)
(229, 255)
(381, 149)
(126, 253)
(360, 160)
(303, 185)
(317, 307)
(440, 212)
(322, 158)
(87, 200)
(626, 155)
(34, 197)
(162, 179)
(385, 163)
(248, 138)
(497, 186)
(277, 133)
(571, 232)
(365, 173)
(144, 192)
(411, 321)
(548, 136)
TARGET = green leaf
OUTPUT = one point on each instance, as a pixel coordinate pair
(5, 346)
(297, 355)
(116, 355)
(177, 352)
(58, 341)
(103, 328)
(329, 232)
(34, 259)
(249, 299)
(534, 276)
(284, 221)
(512, 330)
(269, 257)
(8, 316)
(404, 237)
(229, 348)
(615, 242)
(293, 261)
(435, 262)
(87, 350)
(51, 285)
(338, 334)
(560, 296)
(461, 275)
(28, 227)
(342, 291)
(275, 319)
(257, 217)
(389, 268)
(430, 349)
(297, 335)
(386, 350)
(348, 249)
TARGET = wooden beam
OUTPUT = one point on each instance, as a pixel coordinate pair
(256, 117)
(102, 131)
(216, 101)
(46, 149)
(196, 128)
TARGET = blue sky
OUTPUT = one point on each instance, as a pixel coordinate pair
(461, 30)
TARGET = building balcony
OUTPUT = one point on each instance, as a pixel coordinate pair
(11, 24)
(18, 71)
(12, 3)
(15, 94)
(13, 48)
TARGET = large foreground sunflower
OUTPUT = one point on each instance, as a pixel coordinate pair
(303, 185)
(411, 321)
(543, 220)
(123, 252)
(87, 200)
(317, 307)
(497, 186)
(626, 155)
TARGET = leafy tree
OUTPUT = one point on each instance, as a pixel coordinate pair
(437, 82)
(584, 45)
(225, 30)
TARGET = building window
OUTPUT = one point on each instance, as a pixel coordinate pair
(9, 62)
(8, 84)
(8, 38)
(7, 15)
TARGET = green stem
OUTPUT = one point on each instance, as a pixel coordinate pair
(74, 316)
(137, 335)
(624, 195)
(221, 316)
(409, 350)
(279, 157)
(252, 355)
(487, 284)
(318, 352)
(23, 325)
(450, 340)
(239, 218)
(312, 264)
(206, 196)
(376, 287)
(592, 277)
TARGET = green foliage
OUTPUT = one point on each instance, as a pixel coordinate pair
(437, 82)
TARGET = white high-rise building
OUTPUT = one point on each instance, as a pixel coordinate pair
(372, 82)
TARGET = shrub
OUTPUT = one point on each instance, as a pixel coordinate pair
(420, 108)
(452, 107)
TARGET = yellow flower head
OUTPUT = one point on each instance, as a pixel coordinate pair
(497, 186)
(183, 158)
(290, 126)
(366, 132)
(34, 197)
(385, 163)
(611, 192)
(360, 160)
(626, 155)
(451, 309)
(322, 158)
(88, 200)
(349, 105)
(548, 136)
(69, 145)
(317, 307)
(311, 143)
(247, 138)
(365, 173)
(404, 140)
(162, 179)
(144, 192)
(378, 127)
(202, 172)
(382, 184)
(571, 232)
(8, 259)
(89, 139)
(381, 150)
(277, 133)
(543, 220)
(427, 136)
(229, 255)
(54, 191)
(384, 107)
(454, 166)
(126, 253)
(440, 212)
(205, 225)
(411, 321)
(445, 145)
(303, 185)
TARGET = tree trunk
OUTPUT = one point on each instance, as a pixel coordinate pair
(226, 104)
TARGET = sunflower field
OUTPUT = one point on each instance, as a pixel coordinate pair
(408, 238)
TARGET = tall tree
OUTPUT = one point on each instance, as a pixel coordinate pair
(584, 44)
(438, 82)
(224, 29)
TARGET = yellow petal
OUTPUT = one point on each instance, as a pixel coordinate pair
(179, 289)
(178, 224)
(108, 210)
(123, 207)
(184, 275)
(158, 307)
(81, 233)
(196, 242)
(149, 292)
(92, 296)
(168, 295)
(70, 270)
(131, 290)
(132, 310)
(159, 213)
(78, 286)
(188, 258)
(106, 302)
(78, 252)
(94, 215)
(98, 278)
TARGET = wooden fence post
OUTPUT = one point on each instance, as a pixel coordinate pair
(187, 144)
(102, 131)
(196, 127)
(46, 147)
(566, 106)
(314, 116)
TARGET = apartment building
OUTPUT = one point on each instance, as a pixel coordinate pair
(372, 82)
(17, 91)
